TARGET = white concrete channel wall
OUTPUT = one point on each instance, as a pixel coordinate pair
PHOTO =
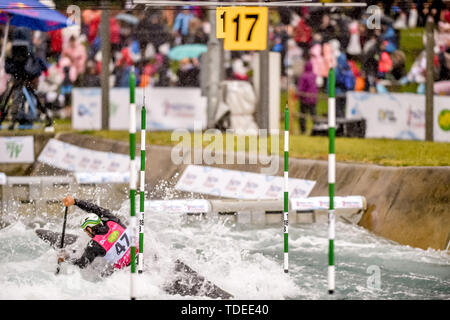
(40, 197)
(262, 212)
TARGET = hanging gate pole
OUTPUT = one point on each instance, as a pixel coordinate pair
(133, 176)
(331, 177)
(142, 193)
(286, 189)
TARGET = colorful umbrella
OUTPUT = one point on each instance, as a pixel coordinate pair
(187, 51)
(32, 14)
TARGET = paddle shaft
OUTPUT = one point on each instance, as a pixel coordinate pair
(62, 237)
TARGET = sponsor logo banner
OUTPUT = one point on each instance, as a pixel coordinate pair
(17, 149)
(322, 203)
(73, 158)
(399, 115)
(239, 185)
(167, 108)
(102, 177)
(179, 206)
(395, 116)
(86, 112)
(441, 128)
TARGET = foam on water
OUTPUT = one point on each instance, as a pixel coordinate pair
(245, 260)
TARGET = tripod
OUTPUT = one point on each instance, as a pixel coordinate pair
(26, 106)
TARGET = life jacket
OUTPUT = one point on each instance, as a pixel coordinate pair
(117, 244)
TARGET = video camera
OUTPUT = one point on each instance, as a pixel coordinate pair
(23, 65)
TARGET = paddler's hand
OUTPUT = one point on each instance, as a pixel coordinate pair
(68, 201)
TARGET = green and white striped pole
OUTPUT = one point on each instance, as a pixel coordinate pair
(142, 193)
(286, 189)
(133, 178)
(331, 176)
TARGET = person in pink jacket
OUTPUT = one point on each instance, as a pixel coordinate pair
(329, 58)
(76, 53)
(318, 63)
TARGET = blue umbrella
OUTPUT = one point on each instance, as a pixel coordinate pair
(32, 14)
(187, 51)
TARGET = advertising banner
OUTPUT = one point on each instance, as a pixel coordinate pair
(441, 127)
(398, 115)
(395, 116)
(73, 158)
(322, 203)
(86, 110)
(178, 206)
(239, 185)
(17, 149)
(102, 177)
(167, 108)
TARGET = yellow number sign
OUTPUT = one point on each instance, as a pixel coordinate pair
(220, 22)
(246, 28)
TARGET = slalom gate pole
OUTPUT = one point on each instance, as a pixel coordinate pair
(142, 193)
(331, 176)
(286, 189)
(133, 178)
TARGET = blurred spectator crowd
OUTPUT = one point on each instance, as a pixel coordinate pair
(310, 41)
